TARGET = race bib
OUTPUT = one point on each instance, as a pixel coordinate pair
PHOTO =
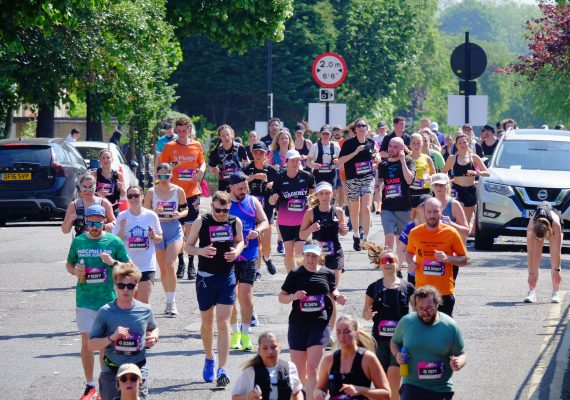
(105, 187)
(296, 205)
(185, 174)
(328, 248)
(168, 207)
(363, 167)
(130, 345)
(417, 184)
(261, 200)
(387, 327)
(228, 171)
(393, 191)
(325, 168)
(312, 303)
(221, 233)
(434, 267)
(430, 369)
(138, 242)
(95, 275)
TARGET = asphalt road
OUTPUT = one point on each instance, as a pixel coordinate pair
(514, 349)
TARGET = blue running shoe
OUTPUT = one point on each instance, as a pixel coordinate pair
(280, 247)
(223, 379)
(208, 373)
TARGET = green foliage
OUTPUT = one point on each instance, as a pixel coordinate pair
(77, 107)
(29, 130)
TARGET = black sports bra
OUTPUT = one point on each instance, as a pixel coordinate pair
(461, 170)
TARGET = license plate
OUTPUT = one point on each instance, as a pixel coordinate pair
(16, 176)
(528, 213)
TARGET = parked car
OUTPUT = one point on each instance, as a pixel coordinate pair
(90, 152)
(38, 177)
(529, 166)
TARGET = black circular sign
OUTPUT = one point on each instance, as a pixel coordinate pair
(477, 61)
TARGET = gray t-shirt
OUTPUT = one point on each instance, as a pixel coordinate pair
(138, 319)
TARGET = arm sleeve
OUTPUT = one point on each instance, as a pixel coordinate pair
(213, 159)
(479, 150)
(385, 143)
(398, 337)
(370, 290)
(242, 154)
(458, 246)
(151, 321)
(276, 186)
(121, 252)
(72, 255)
(244, 383)
(99, 327)
(345, 150)
(311, 181)
(289, 284)
(411, 247)
(201, 156)
(331, 280)
(411, 165)
(457, 347)
(165, 155)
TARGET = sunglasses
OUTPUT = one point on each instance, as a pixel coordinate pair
(134, 195)
(163, 176)
(361, 126)
(221, 210)
(87, 188)
(129, 377)
(387, 260)
(92, 224)
(130, 286)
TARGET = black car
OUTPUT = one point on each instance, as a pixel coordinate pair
(38, 177)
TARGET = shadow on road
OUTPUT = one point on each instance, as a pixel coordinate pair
(39, 335)
(60, 289)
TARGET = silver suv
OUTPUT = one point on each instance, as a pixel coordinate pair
(529, 166)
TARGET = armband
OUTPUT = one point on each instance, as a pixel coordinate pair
(182, 207)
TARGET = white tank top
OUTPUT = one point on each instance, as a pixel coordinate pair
(169, 205)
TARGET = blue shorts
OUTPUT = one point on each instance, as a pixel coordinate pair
(303, 336)
(171, 232)
(215, 289)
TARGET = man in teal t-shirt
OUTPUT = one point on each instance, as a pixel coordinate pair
(434, 348)
(91, 259)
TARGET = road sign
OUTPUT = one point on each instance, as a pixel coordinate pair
(329, 70)
(477, 110)
(476, 57)
(326, 94)
(317, 115)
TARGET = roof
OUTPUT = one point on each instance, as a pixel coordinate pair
(32, 141)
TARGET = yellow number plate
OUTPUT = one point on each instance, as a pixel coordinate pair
(17, 176)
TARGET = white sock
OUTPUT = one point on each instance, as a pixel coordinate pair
(235, 328)
(245, 328)
(90, 383)
(171, 296)
(364, 237)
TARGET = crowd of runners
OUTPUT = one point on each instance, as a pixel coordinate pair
(423, 186)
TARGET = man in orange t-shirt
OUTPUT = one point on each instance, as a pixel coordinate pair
(436, 247)
(188, 168)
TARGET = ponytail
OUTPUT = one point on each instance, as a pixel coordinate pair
(313, 200)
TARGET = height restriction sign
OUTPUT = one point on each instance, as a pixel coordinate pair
(329, 70)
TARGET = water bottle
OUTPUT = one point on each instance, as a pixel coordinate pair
(404, 367)
(81, 265)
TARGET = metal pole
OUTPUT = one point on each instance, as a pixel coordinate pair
(327, 110)
(269, 44)
(467, 74)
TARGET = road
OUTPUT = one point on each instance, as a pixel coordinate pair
(514, 349)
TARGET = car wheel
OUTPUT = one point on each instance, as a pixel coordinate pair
(483, 241)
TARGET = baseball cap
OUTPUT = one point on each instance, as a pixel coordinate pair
(312, 248)
(259, 146)
(489, 128)
(468, 126)
(337, 128)
(434, 126)
(95, 209)
(129, 369)
(439, 179)
(299, 127)
(323, 186)
(74, 131)
(237, 177)
(292, 154)
(326, 127)
(381, 124)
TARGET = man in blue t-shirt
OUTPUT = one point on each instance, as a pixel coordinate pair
(168, 137)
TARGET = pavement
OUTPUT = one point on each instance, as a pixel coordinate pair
(515, 350)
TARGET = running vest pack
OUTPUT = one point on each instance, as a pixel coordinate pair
(387, 316)
(284, 389)
(229, 162)
(355, 377)
(328, 234)
(245, 211)
(221, 235)
(327, 172)
(79, 224)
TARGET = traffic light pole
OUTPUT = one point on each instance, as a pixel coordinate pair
(467, 75)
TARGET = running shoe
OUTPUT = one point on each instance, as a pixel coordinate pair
(257, 276)
(555, 298)
(180, 271)
(168, 307)
(99, 396)
(223, 379)
(208, 373)
(89, 393)
(356, 244)
(173, 309)
(246, 342)
(235, 342)
(360, 232)
(270, 266)
(254, 320)
(280, 247)
(191, 272)
(531, 297)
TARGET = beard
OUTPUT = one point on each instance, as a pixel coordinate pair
(430, 321)
(240, 197)
(432, 222)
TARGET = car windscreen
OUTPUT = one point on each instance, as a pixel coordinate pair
(89, 153)
(17, 155)
(533, 154)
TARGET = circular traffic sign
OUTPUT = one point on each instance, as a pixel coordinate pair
(477, 61)
(329, 70)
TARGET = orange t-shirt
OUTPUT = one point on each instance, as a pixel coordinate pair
(189, 157)
(429, 271)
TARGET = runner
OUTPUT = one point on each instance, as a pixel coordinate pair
(436, 247)
(350, 371)
(250, 212)
(91, 258)
(168, 137)
(75, 213)
(434, 348)
(189, 167)
(489, 142)
(129, 379)
(260, 180)
(424, 169)
(273, 127)
(435, 155)
(311, 290)
(387, 300)
(124, 328)
(323, 158)
(302, 145)
(168, 201)
(339, 192)
(252, 139)
(140, 229)
(546, 224)
(281, 144)
(110, 183)
(399, 131)
(266, 376)
(397, 172)
(290, 189)
(227, 157)
(359, 157)
(221, 242)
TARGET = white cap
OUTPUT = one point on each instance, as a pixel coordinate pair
(312, 248)
(324, 186)
(434, 126)
(292, 154)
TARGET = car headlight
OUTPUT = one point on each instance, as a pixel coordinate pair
(503, 190)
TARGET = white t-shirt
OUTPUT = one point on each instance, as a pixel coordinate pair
(245, 382)
(378, 139)
(139, 246)
(327, 159)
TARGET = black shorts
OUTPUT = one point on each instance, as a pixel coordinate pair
(335, 261)
(269, 211)
(411, 392)
(466, 194)
(303, 336)
(245, 271)
(415, 196)
(148, 276)
(447, 306)
(193, 210)
(290, 233)
(384, 354)
(326, 177)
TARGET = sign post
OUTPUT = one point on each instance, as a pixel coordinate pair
(329, 71)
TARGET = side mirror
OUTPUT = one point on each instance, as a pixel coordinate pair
(133, 164)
